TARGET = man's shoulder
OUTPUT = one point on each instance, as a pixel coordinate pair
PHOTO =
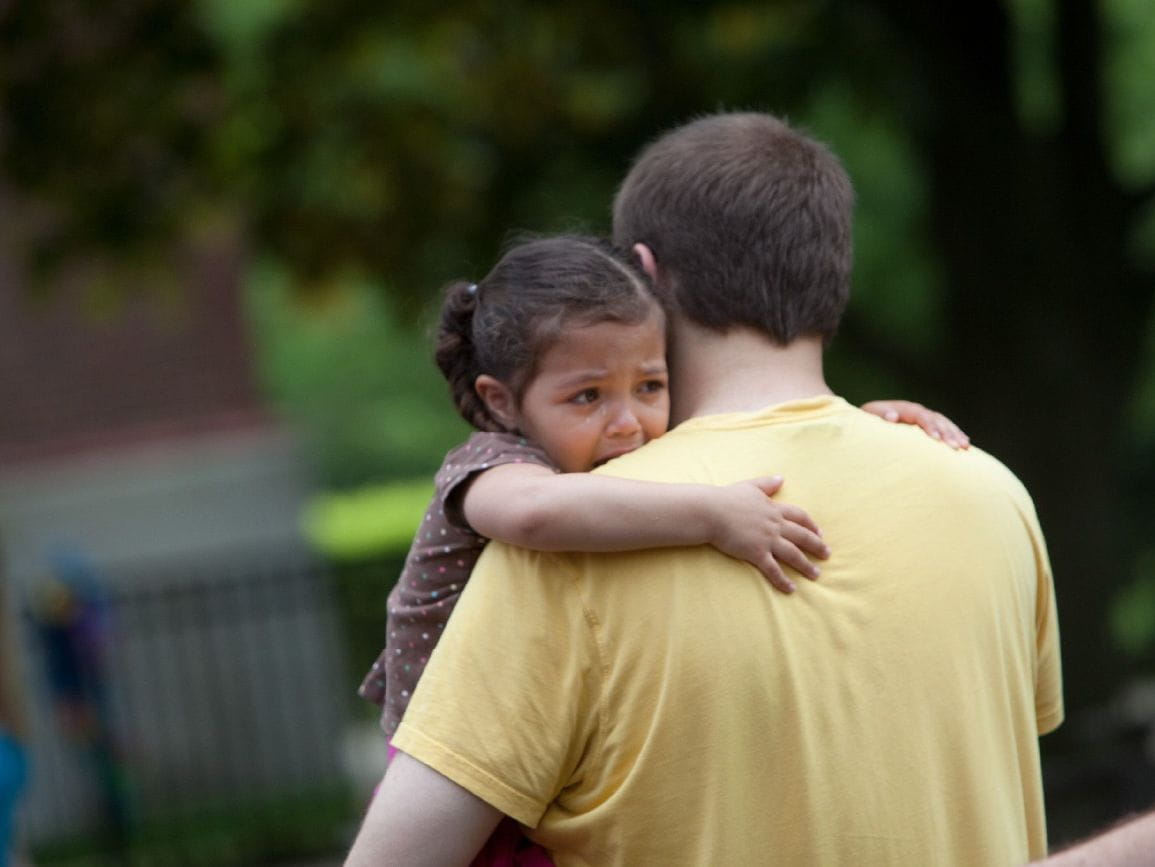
(994, 468)
(504, 560)
(931, 455)
(972, 471)
(1000, 477)
(673, 456)
(652, 462)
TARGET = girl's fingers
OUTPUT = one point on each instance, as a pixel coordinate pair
(787, 553)
(795, 515)
(950, 433)
(806, 540)
(769, 485)
(934, 424)
(774, 574)
(955, 435)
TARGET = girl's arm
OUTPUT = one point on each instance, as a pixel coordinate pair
(934, 423)
(530, 506)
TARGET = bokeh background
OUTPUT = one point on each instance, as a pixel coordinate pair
(223, 226)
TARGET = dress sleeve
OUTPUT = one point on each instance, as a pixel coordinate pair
(509, 704)
(481, 452)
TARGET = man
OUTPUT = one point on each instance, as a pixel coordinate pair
(667, 707)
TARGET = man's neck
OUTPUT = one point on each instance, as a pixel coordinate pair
(740, 371)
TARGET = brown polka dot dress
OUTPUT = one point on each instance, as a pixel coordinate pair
(438, 565)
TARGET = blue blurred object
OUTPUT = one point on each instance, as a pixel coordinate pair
(13, 778)
(70, 619)
(71, 623)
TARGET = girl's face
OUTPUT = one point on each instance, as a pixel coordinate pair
(600, 391)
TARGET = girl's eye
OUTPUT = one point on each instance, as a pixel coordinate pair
(652, 386)
(589, 395)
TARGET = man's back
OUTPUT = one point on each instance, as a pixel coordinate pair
(670, 707)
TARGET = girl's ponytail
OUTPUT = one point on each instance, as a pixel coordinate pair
(456, 354)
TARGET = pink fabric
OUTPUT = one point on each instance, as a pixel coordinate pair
(507, 847)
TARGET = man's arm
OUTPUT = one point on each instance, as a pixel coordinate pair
(420, 817)
(1129, 845)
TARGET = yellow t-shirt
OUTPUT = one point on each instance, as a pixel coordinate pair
(670, 707)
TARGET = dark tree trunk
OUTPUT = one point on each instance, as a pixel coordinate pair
(1044, 315)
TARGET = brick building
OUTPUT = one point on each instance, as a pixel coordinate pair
(138, 432)
(135, 440)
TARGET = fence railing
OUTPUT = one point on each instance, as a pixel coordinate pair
(206, 721)
(221, 728)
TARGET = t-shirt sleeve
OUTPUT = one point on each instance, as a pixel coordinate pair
(508, 705)
(1049, 678)
(481, 452)
(1049, 710)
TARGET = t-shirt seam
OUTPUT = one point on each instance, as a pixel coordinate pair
(593, 623)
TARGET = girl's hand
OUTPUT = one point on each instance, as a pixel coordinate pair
(934, 423)
(752, 527)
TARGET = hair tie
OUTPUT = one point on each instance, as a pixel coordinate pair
(471, 289)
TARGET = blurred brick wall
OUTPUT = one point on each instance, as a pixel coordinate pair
(160, 364)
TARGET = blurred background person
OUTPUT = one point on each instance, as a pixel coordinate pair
(13, 755)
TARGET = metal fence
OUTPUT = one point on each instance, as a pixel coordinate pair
(210, 730)
(225, 729)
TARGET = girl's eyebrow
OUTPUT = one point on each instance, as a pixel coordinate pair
(579, 377)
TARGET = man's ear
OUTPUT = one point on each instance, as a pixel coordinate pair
(498, 399)
(646, 258)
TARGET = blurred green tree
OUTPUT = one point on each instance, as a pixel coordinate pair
(1005, 156)
(352, 381)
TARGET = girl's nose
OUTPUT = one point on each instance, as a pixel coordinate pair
(623, 421)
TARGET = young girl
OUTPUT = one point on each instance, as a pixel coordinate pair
(558, 359)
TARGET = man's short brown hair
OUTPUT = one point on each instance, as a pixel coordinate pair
(750, 222)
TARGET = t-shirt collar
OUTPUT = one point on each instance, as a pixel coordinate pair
(788, 411)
